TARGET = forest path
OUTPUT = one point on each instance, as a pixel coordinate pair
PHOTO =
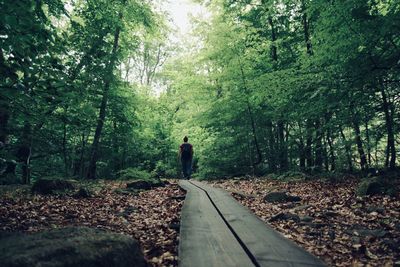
(218, 231)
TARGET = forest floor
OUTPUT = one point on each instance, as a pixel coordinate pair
(330, 221)
(152, 217)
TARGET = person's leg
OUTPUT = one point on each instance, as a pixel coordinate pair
(183, 168)
(189, 168)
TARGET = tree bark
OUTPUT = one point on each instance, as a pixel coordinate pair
(348, 149)
(91, 174)
(308, 148)
(360, 149)
(331, 149)
(271, 146)
(318, 146)
(252, 122)
(306, 28)
(390, 147)
(283, 155)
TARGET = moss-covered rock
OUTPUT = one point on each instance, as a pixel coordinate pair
(280, 197)
(49, 186)
(70, 247)
(145, 184)
(370, 187)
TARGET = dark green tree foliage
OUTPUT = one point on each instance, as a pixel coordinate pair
(295, 84)
(264, 86)
(64, 107)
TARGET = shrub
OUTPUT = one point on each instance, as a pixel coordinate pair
(134, 174)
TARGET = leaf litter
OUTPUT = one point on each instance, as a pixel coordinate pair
(330, 221)
(146, 216)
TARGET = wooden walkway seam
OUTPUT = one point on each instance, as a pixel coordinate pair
(218, 231)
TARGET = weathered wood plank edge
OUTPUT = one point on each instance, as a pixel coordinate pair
(269, 247)
(204, 238)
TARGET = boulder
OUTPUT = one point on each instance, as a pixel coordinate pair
(49, 186)
(306, 218)
(139, 184)
(83, 193)
(370, 187)
(145, 184)
(284, 217)
(364, 232)
(280, 197)
(70, 247)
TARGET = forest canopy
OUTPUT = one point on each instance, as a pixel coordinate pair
(92, 88)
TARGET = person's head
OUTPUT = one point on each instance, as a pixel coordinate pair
(185, 139)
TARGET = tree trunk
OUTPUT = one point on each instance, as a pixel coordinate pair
(368, 142)
(360, 149)
(306, 28)
(64, 144)
(91, 174)
(283, 155)
(331, 150)
(347, 146)
(24, 152)
(390, 147)
(308, 149)
(271, 146)
(252, 122)
(318, 146)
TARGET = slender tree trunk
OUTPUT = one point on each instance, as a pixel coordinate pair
(283, 155)
(368, 143)
(24, 152)
(253, 130)
(271, 146)
(360, 149)
(102, 114)
(308, 148)
(331, 150)
(390, 147)
(64, 144)
(115, 147)
(274, 49)
(347, 146)
(252, 122)
(306, 28)
(325, 153)
(318, 146)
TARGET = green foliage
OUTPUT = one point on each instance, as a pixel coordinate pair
(263, 87)
(134, 174)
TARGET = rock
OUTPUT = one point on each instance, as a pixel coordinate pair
(306, 218)
(179, 198)
(157, 183)
(392, 244)
(302, 207)
(174, 226)
(280, 197)
(49, 186)
(139, 184)
(285, 216)
(83, 193)
(363, 232)
(127, 191)
(370, 187)
(70, 247)
(371, 209)
(145, 184)
(330, 213)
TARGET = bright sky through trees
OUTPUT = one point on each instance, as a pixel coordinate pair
(180, 12)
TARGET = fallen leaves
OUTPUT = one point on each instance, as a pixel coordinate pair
(146, 216)
(330, 221)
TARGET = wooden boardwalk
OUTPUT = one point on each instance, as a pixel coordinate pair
(217, 231)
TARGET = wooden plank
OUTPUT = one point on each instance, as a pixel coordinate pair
(268, 247)
(205, 240)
